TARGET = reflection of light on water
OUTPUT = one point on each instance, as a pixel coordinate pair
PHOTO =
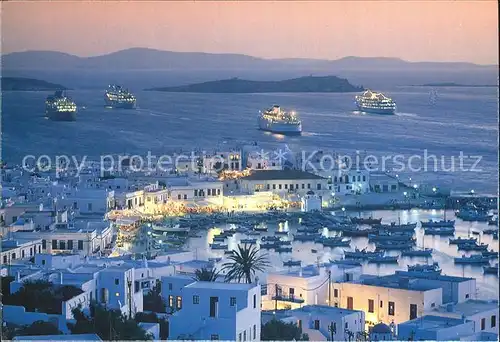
(211, 233)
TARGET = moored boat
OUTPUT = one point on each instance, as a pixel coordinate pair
(461, 240)
(306, 237)
(362, 220)
(472, 260)
(291, 263)
(468, 247)
(394, 245)
(427, 253)
(435, 224)
(284, 249)
(383, 260)
(490, 269)
(218, 246)
(361, 254)
(423, 268)
(248, 241)
(490, 254)
(441, 231)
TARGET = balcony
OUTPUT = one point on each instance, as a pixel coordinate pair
(290, 299)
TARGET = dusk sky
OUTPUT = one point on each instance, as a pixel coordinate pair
(412, 30)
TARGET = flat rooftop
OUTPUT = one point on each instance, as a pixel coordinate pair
(76, 337)
(398, 282)
(324, 309)
(468, 308)
(196, 264)
(432, 276)
(221, 286)
(305, 272)
(430, 322)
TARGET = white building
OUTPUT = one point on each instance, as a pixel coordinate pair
(296, 288)
(18, 249)
(483, 313)
(382, 182)
(435, 328)
(218, 311)
(326, 323)
(310, 202)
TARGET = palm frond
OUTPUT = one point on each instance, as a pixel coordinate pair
(244, 262)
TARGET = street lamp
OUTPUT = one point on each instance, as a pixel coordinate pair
(434, 189)
(343, 209)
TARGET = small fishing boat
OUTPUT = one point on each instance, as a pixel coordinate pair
(283, 242)
(291, 263)
(461, 240)
(490, 231)
(252, 233)
(345, 262)
(435, 224)
(490, 269)
(469, 247)
(361, 254)
(268, 245)
(362, 220)
(441, 231)
(306, 237)
(394, 245)
(384, 236)
(383, 260)
(307, 230)
(284, 249)
(495, 236)
(248, 241)
(394, 227)
(490, 254)
(493, 221)
(218, 238)
(355, 232)
(260, 228)
(218, 246)
(270, 238)
(423, 268)
(472, 215)
(472, 260)
(281, 232)
(314, 251)
(228, 252)
(333, 242)
(426, 253)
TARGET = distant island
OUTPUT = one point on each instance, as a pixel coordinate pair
(308, 84)
(451, 84)
(28, 84)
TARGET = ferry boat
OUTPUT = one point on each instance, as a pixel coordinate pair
(278, 121)
(59, 107)
(117, 97)
(426, 253)
(423, 268)
(376, 103)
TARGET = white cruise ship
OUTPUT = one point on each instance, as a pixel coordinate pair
(278, 121)
(377, 103)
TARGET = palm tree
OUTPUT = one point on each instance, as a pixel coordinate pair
(206, 274)
(244, 262)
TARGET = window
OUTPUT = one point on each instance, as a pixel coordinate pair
(381, 304)
(350, 303)
(89, 207)
(44, 244)
(54, 244)
(254, 331)
(185, 196)
(213, 306)
(171, 301)
(371, 306)
(239, 337)
(13, 257)
(364, 178)
(316, 324)
(346, 325)
(254, 301)
(179, 302)
(335, 293)
(80, 245)
(214, 337)
(196, 299)
(493, 321)
(299, 323)
(467, 296)
(291, 292)
(209, 192)
(286, 186)
(170, 286)
(413, 311)
(309, 185)
(195, 192)
(268, 186)
(117, 281)
(391, 309)
(70, 245)
(62, 245)
(43, 262)
(218, 192)
(483, 323)
(232, 301)
(318, 186)
(279, 186)
(274, 186)
(22, 254)
(4, 259)
(244, 335)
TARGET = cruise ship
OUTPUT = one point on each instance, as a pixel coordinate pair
(377, 103)
(117, 97)
(59, 107)
(278, 121)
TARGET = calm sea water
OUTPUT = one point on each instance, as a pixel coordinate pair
(461, 119)
(443, 252)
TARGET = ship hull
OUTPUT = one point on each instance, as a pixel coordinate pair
(280, 128)
(119, 105)
(61, 116)
(390, 111)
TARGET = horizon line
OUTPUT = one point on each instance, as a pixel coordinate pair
(256, 57)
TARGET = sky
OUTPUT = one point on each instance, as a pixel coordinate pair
(459, 30)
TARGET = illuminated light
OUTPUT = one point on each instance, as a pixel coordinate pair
(434, 189)
(405, 193)
(117, 294)
(415, 186)
(343, 209)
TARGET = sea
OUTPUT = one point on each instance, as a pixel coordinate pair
(445, 122)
